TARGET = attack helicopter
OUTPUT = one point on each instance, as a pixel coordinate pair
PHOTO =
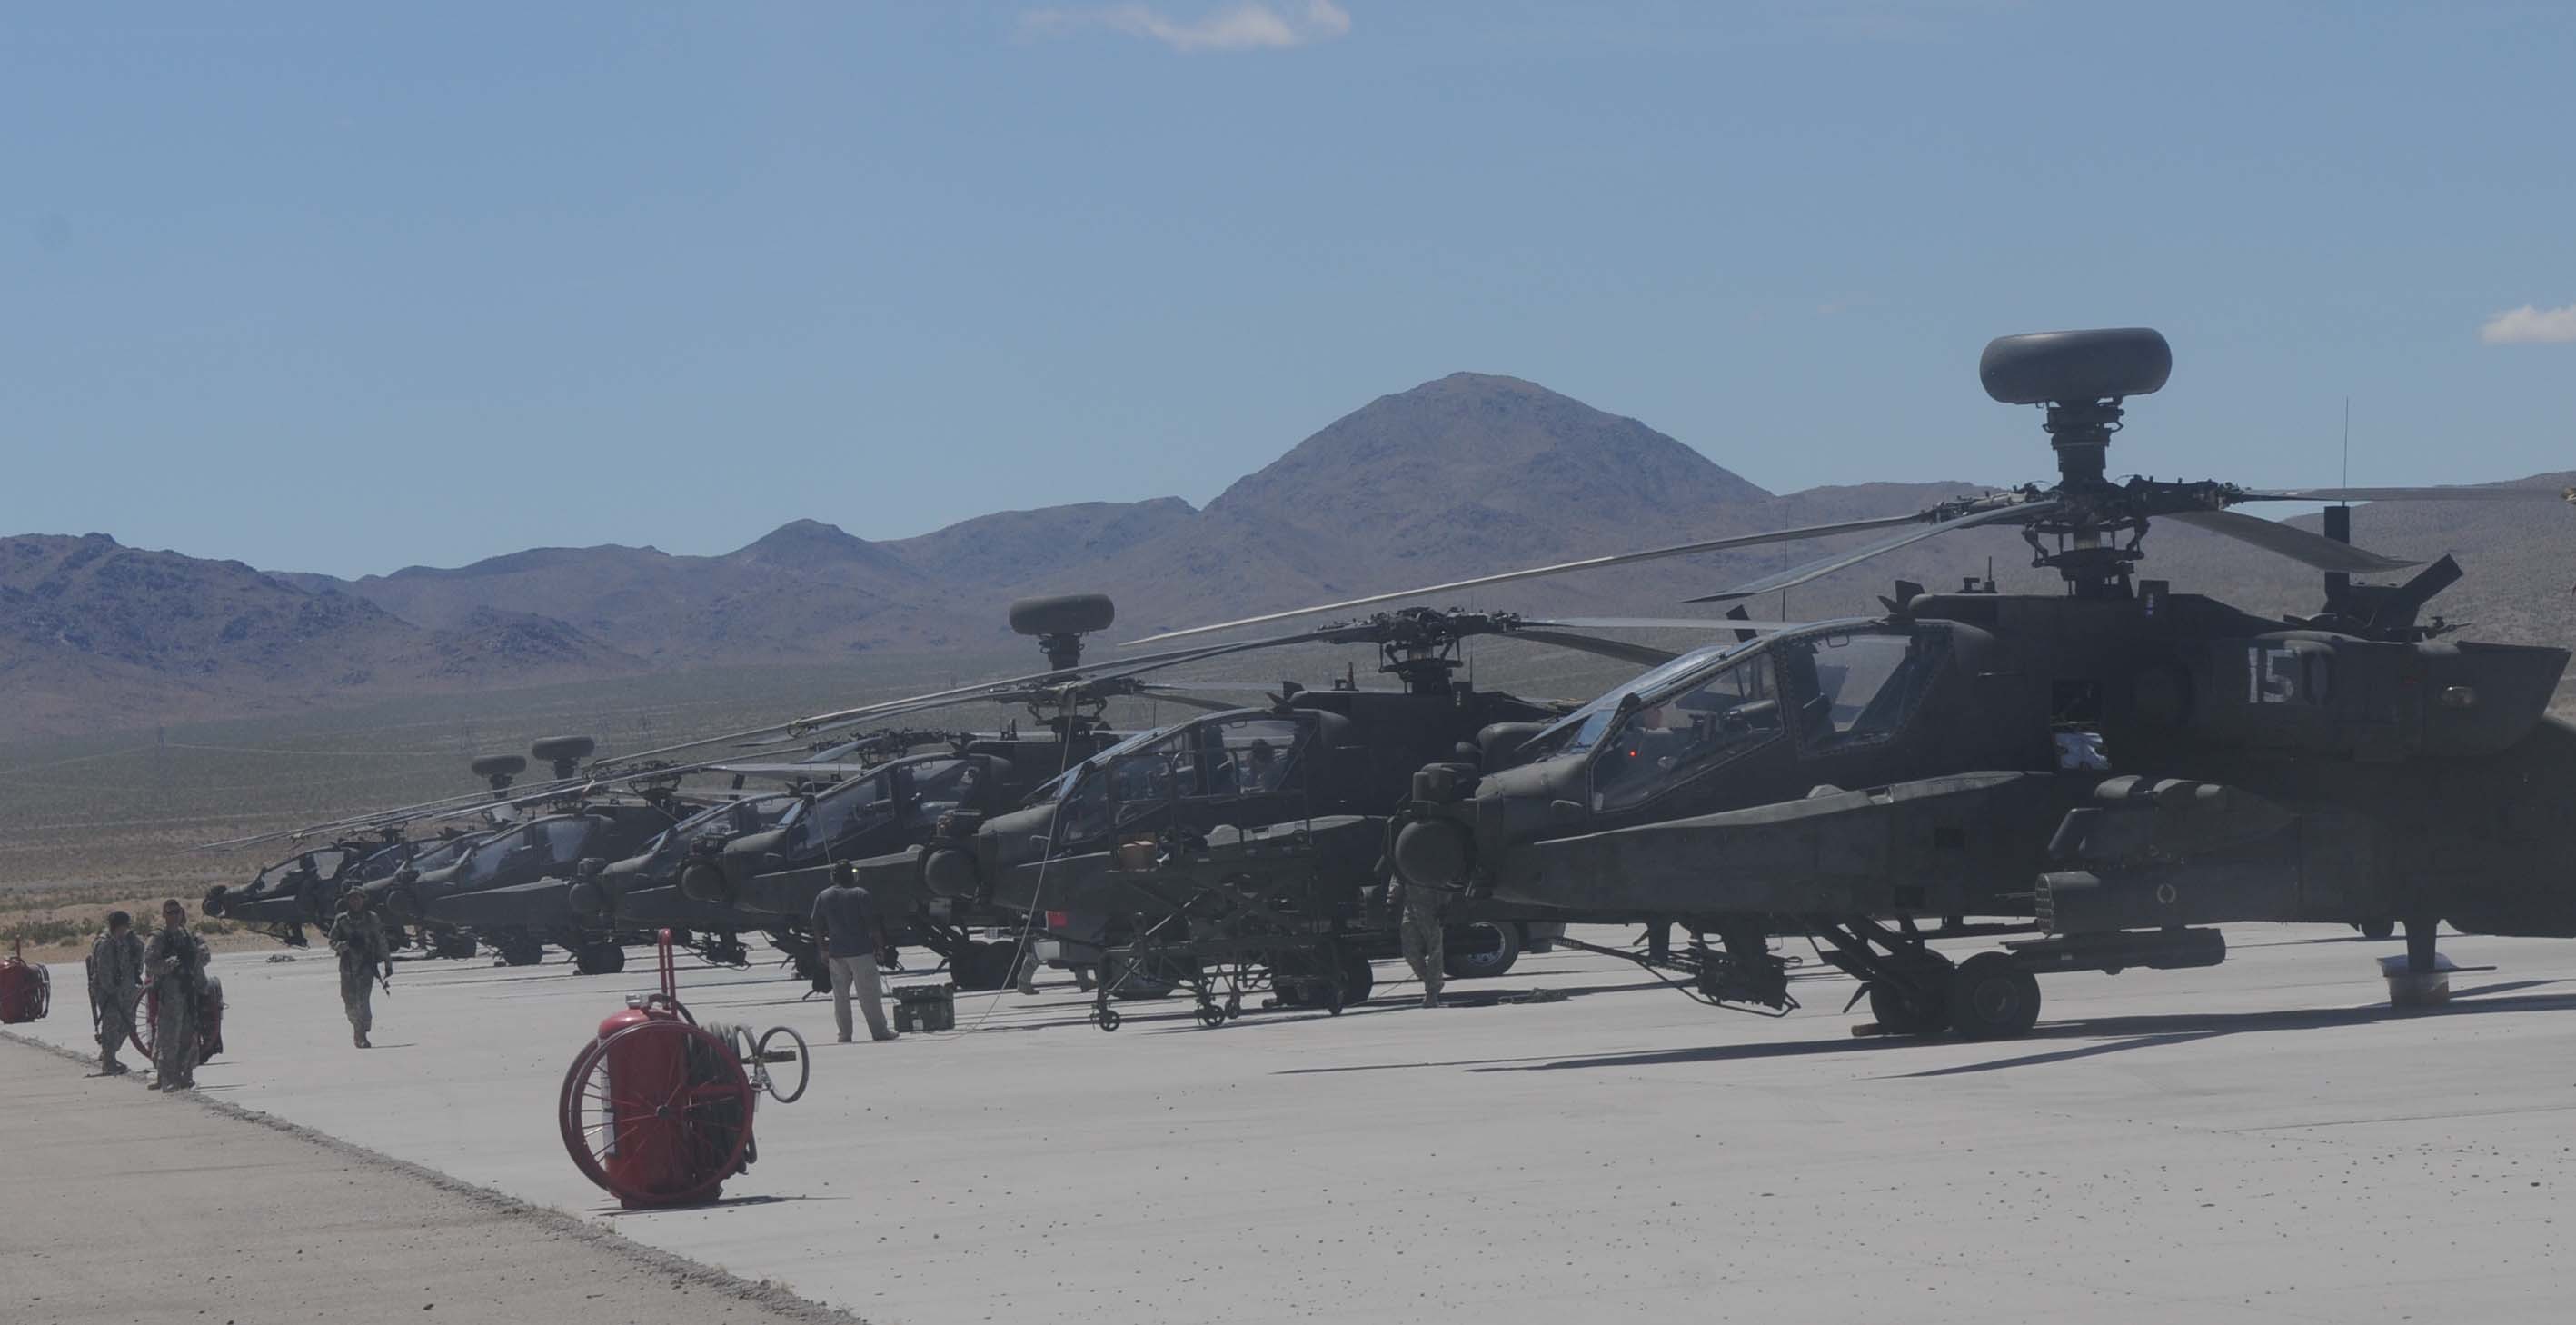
(2110, 773)
(898, 805)
(1084, 861)
(305, 888)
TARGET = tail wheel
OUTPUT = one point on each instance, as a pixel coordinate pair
(657, 1143)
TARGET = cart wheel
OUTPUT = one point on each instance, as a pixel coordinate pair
(803, 1059)
(1234, 1007)
(146, 1026)
(1211, 1016)
(699, 1128)
(1107, 1018)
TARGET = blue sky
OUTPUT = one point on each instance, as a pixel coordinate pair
(345, 287)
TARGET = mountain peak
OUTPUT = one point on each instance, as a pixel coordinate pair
(1488, 442)
(807, 544)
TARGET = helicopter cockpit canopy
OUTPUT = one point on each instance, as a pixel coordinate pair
(732, 819)
(323, 863)
(1841, 686)
(1224, 756)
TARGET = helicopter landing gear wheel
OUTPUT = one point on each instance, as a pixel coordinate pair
(657, 1138)
(2378, 928)
(605, 958)
(1992, 999)
(518, 949)
(451, 943)
(1916, 1001)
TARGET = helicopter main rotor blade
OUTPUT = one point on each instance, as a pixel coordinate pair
(1162, 694)
(1641, 654)
(2272, 536)
(1560, 568)
(2479, 492)
(2018, 513)
(1670, 623)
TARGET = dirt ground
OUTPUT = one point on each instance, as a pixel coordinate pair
(161, 1208)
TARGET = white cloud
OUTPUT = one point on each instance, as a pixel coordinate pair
(1248, 26)
(2529, 325)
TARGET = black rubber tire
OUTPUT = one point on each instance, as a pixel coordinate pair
(1993, 999)
(1463, 965)
(981, 966)
(2380, 928)
(1359, 980)
(599, 959)
(519, 950)
(1901, 1013)
(451, 943)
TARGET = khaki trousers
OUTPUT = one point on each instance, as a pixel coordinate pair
(858, 975)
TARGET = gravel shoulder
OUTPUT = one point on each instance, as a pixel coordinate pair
(133, 1206)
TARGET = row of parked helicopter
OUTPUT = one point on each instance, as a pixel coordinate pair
(2099, 778)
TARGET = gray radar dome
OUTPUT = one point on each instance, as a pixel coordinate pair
(1063, 614)
(2072, 367)
(557, 749)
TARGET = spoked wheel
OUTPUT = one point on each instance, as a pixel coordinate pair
(146, 1030)
(771, 1050)
(657, 1114)
(145, 1033)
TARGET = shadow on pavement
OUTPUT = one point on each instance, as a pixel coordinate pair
(2118, 1034)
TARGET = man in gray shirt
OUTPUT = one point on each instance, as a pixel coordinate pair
(846, 924)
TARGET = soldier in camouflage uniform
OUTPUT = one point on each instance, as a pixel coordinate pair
(359, 937)
(115, 986)
(176, 962)
(1423, 911)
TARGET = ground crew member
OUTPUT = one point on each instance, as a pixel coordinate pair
(1421, 928)
(176, 963)
(846, 923)
(115, 986)
(359, 937)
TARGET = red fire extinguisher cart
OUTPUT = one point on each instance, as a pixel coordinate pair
(657, 1109)
(26, 991)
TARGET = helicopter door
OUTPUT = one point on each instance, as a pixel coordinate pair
(1253, 771)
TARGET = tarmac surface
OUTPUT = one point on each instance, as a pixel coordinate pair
(2261, 1141)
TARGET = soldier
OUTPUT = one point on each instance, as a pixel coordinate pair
(846, 922)
(1421, 928)
(115, 986)
(359, 938)
(176, 962)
